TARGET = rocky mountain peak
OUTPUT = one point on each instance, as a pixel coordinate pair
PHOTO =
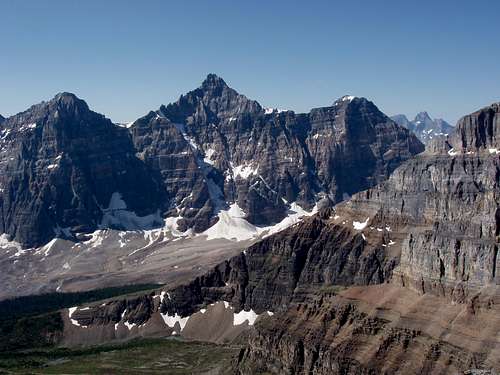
(74, 163)
(213, 83)
(423, 117)
(68, 103)
(212, 101)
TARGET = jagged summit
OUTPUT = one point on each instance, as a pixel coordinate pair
(213, 100)
(423, 116)
(213, 82)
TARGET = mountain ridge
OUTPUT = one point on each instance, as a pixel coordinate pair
(209, 150)
(424, 126)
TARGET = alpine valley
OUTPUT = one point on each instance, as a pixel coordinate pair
(267, 241)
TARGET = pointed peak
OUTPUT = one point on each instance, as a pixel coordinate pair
(423, 116)
(212, 82)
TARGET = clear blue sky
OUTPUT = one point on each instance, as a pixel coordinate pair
(127, 57)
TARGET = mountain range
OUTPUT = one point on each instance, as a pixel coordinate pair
(424, 127)
(328, 242)
(68, 171)
(401, 278)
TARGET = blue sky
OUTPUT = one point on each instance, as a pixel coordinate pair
(127, 57)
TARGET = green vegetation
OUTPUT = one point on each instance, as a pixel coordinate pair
(33, 321)
(30, 332)
(147, 356)
(43, 303)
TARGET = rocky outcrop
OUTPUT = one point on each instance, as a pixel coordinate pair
(65, 169)
(214, 147)
(425, 128)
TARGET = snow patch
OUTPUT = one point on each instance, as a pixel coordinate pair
(245, 316)
(233, 226)
(170, 320)
(269, 110)
(358, 225)
(162, 296)
(244, 171)
(71, 311)
(117, 215)
(129, 325)
(208, 156)
(347, 98)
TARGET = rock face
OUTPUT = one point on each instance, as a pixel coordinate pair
(214, 147)
(446, 202)
(373, 330)
(424, 126)
(421, 250)
(315, 254)
(65, 169)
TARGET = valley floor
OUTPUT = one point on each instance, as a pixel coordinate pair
(150, 356)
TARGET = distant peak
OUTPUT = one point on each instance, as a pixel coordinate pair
(421, 116)
(212, 82)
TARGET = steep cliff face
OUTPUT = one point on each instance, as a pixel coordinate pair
(228, 149)
(446, 201)
(65, 169)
